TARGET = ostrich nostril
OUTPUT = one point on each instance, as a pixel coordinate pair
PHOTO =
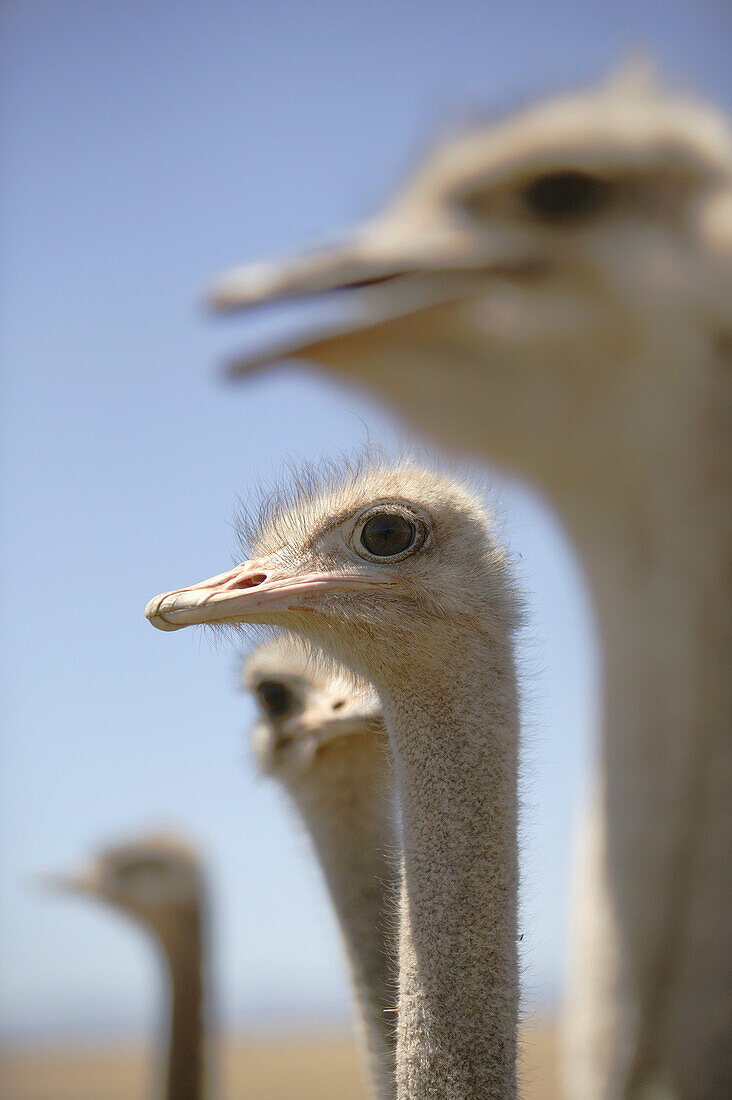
(338, 704)
(250, 581)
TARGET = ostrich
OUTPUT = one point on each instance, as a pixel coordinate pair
(388, 568)
(322, 737)
(158, 882)
(555, 291)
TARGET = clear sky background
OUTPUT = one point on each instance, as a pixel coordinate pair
(145, 146)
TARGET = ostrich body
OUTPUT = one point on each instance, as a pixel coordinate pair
(323, 739)
(157, 881)
(555, 291)
(389, 569)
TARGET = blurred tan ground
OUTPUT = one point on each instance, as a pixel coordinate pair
(303, 1068)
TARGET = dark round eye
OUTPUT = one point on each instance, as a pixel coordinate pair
(148, 865)
(387, 534)
(566, 195)
(274, 698)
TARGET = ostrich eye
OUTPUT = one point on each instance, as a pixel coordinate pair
(148, 865)
(388, 534)
(569, 195)
(274, 698)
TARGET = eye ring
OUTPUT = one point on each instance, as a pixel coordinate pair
(389, 533)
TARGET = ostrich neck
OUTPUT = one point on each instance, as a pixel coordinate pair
(455, 741)
(654, 548)
(186, 1060)
(346, 803)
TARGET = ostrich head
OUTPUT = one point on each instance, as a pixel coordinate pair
(501, 294)
(305, 706)
(381, 565)
(156, 880)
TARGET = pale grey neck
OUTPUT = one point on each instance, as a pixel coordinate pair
(654, 548)
(187, 1064)
(455, 741)
(347, 807)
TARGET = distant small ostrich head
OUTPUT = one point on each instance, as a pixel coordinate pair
(154, 879)
(305, 706)
(381, 565)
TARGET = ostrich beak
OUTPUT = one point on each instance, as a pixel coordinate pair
(342, 266)
(391, 268)
(251, 592)
(79, 882)
(321, 721)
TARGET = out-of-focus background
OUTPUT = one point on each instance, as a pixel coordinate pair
(145, 147)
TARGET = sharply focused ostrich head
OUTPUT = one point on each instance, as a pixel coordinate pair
(155, 879)
(500, 294)
(305, 706)
(379, 564)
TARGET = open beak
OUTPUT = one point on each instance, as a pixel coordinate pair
(395, 275)
(390, 268)
(254, 592)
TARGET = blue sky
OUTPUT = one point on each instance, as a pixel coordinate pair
(146, 146)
